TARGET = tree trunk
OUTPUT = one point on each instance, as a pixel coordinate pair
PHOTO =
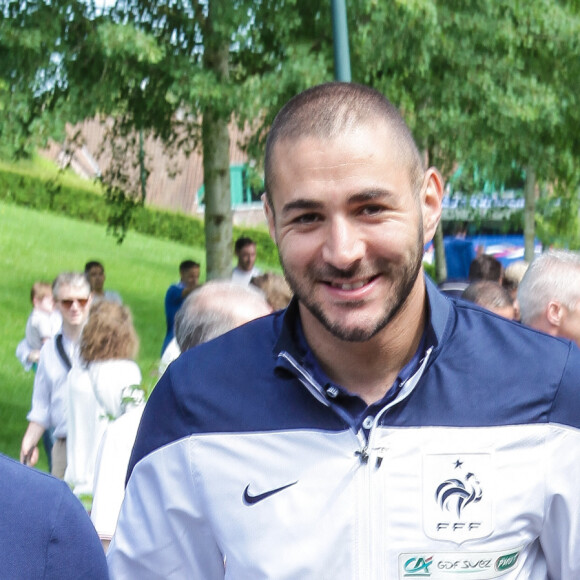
(529, 214)
(216, 157)
(439, 247)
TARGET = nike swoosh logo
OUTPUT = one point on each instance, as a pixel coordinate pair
(252, 499)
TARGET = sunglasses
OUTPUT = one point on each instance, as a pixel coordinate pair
(82, 302)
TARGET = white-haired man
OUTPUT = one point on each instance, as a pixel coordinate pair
(549, 294)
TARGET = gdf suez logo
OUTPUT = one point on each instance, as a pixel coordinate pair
(417, 567)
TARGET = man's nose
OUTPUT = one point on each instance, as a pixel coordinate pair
(344, 245)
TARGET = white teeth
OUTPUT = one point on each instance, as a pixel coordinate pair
(354, 286)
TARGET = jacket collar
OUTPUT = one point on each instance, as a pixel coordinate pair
(438, 313)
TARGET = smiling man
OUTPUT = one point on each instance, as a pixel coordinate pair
(374, 429)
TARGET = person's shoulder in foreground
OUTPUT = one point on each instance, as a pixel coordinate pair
(44, 529)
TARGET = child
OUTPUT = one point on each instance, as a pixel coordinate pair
(43, 323)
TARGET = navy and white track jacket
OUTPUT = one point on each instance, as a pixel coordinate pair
(244, 469)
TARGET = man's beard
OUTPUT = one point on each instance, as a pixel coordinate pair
(403, 279)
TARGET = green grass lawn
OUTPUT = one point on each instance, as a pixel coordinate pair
(37, 246)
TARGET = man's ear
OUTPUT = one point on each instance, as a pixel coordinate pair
(269, 211)
(431, 198)
(555, 313)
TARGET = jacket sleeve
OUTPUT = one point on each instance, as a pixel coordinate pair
(162, 532)
(560, 537)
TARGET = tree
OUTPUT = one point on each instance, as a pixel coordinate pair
(179, 71)
(482, 83)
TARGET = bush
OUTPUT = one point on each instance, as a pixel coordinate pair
(51, 195)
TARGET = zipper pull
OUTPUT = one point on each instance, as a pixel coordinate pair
(363, 455)
(380, 456)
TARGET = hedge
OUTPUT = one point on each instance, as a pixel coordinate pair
(50, 195)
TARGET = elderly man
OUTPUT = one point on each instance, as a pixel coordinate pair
(72, 296)
(364, 432)
(549, 294)
(208, 312)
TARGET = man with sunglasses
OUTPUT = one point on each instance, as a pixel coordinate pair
(72, 296)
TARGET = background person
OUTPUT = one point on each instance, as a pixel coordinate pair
(512, 277)
(549, 294)
(177, 293)
(43, 323)
(275, 288)
(492, 296)
(245, 270)
(72, 296)
(95, 273)
(234, 311)
(100, 390)
(485, 267)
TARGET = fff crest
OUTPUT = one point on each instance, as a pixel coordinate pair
(457, 496)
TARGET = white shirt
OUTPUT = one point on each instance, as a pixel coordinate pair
(243, 276)
(111, 470)
(49, 392)
(95, 396)
(171, 352)
(109, 296)
(41, 325)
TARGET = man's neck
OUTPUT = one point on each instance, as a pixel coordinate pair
(369, 368)
(72, 333)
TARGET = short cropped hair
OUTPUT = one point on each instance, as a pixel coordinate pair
(485, 267)
(187, 265)
(40, 290)
(210, 311)
(488, 294)
(242, 242)
(109, 333)
(73, 279)
(554, 275)
(93, 264)
(325, 111)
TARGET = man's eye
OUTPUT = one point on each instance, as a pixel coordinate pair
(307, 218)
(372, 210)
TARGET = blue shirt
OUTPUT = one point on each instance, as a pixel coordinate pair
(173, 301)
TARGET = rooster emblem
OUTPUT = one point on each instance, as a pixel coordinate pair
(458, 494)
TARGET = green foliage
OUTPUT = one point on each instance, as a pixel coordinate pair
(52, 194)
(557, 219)
(37, 245)
(430, 270)
(159, 67)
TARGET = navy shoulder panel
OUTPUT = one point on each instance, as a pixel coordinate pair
(492, 371)
(227, 385)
